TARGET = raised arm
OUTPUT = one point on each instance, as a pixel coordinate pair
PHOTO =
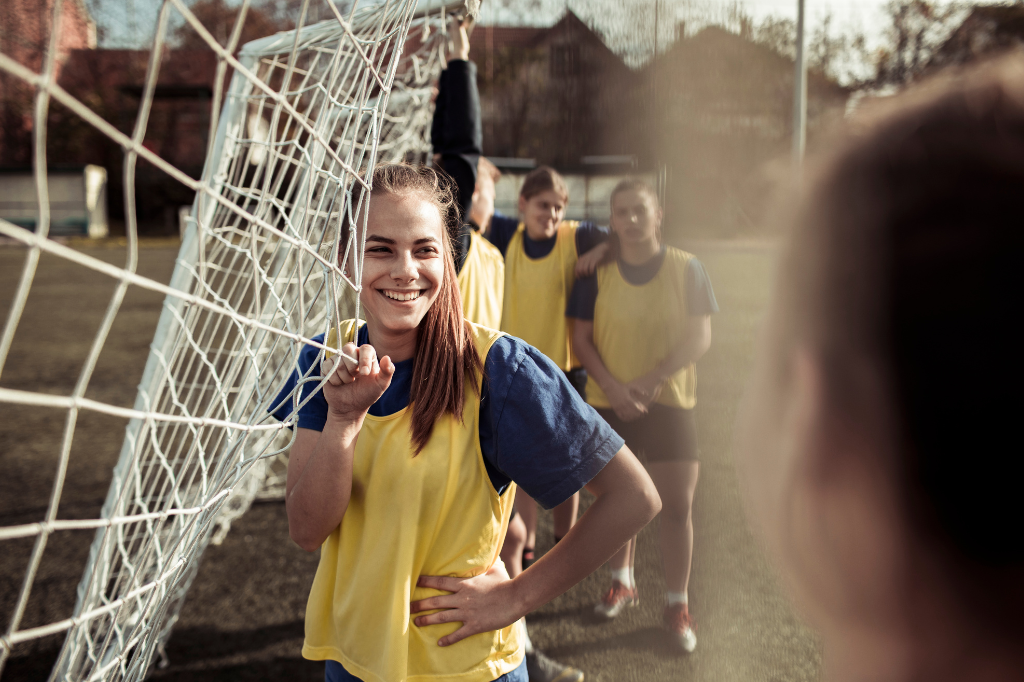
(319, 483)
(456, 132)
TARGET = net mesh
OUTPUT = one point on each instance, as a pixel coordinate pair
(307, 115)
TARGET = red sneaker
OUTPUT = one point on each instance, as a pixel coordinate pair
(681, 627)
(617, 598)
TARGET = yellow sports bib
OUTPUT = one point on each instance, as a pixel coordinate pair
(536, 293)
(636, 327)
(433, 514)
(482, 282)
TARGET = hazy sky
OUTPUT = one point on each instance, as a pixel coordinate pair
(115, 17)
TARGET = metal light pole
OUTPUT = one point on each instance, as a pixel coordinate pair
(799, 90)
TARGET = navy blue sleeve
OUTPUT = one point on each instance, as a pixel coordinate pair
(534, 427)
(583, 298)
(501, 231)
(312, 415)
(589, 235)
(700, 297)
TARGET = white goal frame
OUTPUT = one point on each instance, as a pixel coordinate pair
(255, 279)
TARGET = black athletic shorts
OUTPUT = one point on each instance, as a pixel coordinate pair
(664, 434)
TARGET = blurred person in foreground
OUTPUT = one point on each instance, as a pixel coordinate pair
(877, 441)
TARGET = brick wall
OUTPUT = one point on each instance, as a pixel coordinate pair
(25, 30)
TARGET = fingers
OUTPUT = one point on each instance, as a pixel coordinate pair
(361, 361)
(443, 616)
(457, 636)
(438, 582)
(630, 411)
(586, 265)
(386, 370)
(367, 357)
(448, 616)
(327, 368)
(441, 601)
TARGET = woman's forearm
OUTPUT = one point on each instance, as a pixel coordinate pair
(586, 351)
(317, 501)
(688, 352)
(626, 502)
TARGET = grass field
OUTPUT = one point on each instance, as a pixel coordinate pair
(243, 617)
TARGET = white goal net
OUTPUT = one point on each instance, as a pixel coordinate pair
(307, 115)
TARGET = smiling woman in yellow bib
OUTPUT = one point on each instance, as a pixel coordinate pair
(404, 466)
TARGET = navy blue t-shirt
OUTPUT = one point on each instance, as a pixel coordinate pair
(534, 427)
(588, 235)
(700, 297)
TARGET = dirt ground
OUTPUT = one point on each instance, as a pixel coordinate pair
(243, 616)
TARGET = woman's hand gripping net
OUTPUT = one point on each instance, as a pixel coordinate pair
(356, 380)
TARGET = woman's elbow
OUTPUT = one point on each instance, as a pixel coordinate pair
(306, 543)
(302, 533)
(303, 538)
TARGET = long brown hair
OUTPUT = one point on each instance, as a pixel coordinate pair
(446, 355)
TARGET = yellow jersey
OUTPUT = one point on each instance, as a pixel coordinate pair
(482, 282)
(637, 326)
(536, 293)
(433, 514)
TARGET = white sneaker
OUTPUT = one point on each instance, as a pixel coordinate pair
(681, 626)
(617, 598)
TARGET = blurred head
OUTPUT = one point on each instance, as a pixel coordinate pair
(409, 285)
(878, 439)
(542, 201)
(487, 175)
(636, 213)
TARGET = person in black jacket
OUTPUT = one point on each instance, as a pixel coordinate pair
(457, 140)
(456, 134)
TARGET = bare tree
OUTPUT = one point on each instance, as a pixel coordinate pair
(917, 29)
(777, 33)
(219, 18)
(840, 55)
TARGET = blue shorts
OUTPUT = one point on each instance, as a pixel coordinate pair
(335, 672)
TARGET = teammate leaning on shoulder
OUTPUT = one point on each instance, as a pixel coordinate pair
(543, 255)
(642, 322)
(404, 469)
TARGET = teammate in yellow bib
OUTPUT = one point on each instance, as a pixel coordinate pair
(543, 255)
(403, 469)
(482, 275)
(641, 325)
(457, 140)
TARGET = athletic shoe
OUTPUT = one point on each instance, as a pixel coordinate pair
(617, 598)
(681, 627)
(543, 669)
(528, 557)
